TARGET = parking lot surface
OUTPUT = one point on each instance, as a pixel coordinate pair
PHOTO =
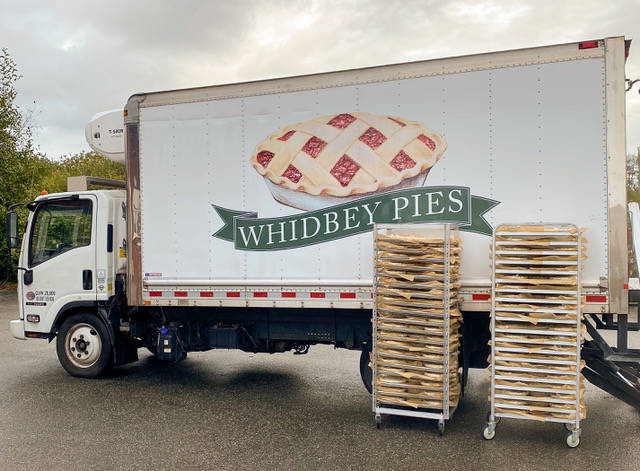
(235, 410)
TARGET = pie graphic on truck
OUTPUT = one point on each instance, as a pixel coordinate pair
(337, 158)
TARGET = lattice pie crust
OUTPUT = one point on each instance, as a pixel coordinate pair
(347, 154)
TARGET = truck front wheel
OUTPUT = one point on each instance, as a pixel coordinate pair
(83, 346)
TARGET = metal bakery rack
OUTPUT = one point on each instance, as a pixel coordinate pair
(536, 313)
(416, 321)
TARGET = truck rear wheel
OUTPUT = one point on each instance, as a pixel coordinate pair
(83, 346)
(365, 370)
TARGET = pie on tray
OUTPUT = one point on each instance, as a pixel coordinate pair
(348, 154)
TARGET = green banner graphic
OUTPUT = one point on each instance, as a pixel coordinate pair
(426, 204)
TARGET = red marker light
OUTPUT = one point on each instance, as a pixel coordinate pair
(587, 44)
(594, 298)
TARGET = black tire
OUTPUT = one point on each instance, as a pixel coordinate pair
(365, 370)
(95, 351)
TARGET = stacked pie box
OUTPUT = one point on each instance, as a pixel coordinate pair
(416, 321)
(536, 323)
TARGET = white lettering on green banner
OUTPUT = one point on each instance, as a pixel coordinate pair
(438, 204)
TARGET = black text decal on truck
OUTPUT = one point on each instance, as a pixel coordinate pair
(426, 204)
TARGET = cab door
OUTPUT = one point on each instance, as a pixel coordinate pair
(60, 259)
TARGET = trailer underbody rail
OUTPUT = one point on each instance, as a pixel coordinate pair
(614, 370)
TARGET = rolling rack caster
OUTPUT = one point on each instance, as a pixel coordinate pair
(489, 430)
(572, 439)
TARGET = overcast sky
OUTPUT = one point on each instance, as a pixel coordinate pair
(80, 57)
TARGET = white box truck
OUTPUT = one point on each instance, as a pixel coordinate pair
(247, 217)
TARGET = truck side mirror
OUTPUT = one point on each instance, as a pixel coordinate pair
(12, 229)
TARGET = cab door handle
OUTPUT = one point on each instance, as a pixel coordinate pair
(87, 279)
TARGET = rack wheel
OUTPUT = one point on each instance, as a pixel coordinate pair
(568, 427)
(573, 439)
(489, 432)
(378, 421)
(441, 427)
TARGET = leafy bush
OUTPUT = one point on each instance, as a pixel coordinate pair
(25, 173)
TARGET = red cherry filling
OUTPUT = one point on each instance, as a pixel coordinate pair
(264, 157)
(286, 136)
(402, 161)
(342, 120)
(373, 138)
(397, 121)
(292, 174)
(344, 170)
(314, 146)
(427, 142)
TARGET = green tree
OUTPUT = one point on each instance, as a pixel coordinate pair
(24, 173)
(84, 163)
(18, 165)
(633, 194)
(633, 174)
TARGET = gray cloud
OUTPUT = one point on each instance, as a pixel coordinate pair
(79, 57)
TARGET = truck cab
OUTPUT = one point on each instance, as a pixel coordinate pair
(72, 288)
(72, 253)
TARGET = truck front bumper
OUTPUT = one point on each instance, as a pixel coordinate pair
(16, 328)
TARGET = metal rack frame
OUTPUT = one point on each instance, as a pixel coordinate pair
(447, 411)
(572, 426)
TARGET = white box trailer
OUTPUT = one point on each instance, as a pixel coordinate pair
(531, 135)
(249, 208)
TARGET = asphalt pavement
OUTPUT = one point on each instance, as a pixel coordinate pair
(232, 410)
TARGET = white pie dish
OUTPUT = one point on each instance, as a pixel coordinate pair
(308, 202)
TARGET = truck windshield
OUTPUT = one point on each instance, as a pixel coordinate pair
(59, 227)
